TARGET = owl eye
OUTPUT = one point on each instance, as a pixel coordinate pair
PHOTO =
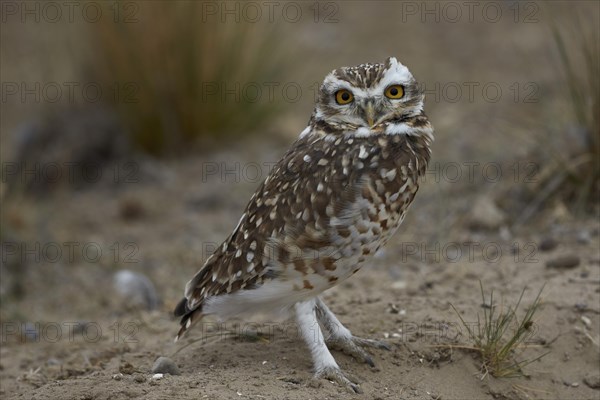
(394, 92)
(344, 96)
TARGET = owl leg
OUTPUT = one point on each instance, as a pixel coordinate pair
(324, 363)
(341, 338)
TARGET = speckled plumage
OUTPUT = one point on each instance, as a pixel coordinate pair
(329, 204)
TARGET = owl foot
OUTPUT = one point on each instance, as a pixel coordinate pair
(354, 346)
(336, 375)
(341, 338)
(324, 364)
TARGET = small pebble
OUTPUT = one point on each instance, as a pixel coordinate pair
(136, 289)
(592, 380)
(586, 321)
(117, 377)
(126, 368)
(548, 244)
(157, 376)
(505, 233)
(564, 262)
(399, 285)
(584, 237)
(164, 365)
(131, 209)
(486, 215)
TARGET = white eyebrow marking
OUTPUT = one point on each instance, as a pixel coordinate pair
(396, 73)
(332, 83)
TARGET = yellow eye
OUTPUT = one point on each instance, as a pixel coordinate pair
(344, 97)
(394, 92)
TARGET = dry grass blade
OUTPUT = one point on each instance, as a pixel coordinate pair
(499, 336)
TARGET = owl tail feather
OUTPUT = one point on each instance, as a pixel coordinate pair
(188, 317)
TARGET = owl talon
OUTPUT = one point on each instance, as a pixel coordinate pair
(354, 346)
(377, 344)
(341, 338)
(336, 375)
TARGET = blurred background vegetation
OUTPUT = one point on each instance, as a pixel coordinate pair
(160, 63)
(182, 84)
(190, 81)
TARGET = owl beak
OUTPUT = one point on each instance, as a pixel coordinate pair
(370, 114)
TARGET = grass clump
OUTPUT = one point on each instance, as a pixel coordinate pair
(500, 337)
(568, 155)
(579, 61)
(180, 79)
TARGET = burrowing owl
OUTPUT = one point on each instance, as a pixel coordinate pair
(328, 205)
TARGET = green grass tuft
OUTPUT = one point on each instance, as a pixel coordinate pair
(500, 336)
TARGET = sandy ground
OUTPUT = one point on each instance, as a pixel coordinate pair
(67, 333)
(107, 348)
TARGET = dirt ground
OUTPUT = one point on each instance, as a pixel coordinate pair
(105, 349)
(69, 333)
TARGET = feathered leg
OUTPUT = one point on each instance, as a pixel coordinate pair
(324, 363)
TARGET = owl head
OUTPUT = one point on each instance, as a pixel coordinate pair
(368, 97)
